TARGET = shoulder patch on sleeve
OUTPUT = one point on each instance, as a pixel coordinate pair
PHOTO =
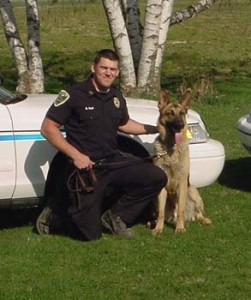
(62, 97)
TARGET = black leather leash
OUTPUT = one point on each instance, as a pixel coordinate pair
(81, 180)
(106, 164)
(85, 180)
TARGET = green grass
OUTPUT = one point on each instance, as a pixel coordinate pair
(208, 263)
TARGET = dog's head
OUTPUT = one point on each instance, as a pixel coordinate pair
(172, 118)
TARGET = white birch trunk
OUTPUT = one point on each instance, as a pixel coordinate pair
(134, 28)
(15, 44)
(29, 65)
(167, 8)
(141, 60)
(36, 73)
(121, 44)
(191, 11)
(150, 45)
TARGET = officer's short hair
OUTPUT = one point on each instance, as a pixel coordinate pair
(106, 53)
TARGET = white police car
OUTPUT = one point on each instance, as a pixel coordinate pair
(25, 155)
(244, 131)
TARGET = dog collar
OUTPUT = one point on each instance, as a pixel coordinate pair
(159, 155)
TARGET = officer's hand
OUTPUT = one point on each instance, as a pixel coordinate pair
(83, 162)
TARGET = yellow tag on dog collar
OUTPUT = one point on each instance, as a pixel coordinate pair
(188, 134)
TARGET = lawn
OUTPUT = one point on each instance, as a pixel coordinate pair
(212, 262)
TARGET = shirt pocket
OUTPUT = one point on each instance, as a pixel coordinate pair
(86, 119)
(116, 118)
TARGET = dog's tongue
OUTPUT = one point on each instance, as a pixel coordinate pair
(178, 137)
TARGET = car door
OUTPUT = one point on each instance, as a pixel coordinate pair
(7, 155)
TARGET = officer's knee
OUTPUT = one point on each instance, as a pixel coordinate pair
(88, 229)
(159, 177)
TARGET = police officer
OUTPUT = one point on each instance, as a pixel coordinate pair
(92, 112)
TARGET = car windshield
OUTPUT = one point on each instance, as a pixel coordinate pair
(7, 97)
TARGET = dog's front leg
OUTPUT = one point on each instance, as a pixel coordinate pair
(161, 212)
(180, 224)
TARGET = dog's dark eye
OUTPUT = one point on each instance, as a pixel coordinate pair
(170, 113)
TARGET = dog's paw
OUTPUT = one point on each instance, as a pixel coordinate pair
(203, 220)
(157, 230)
(206, 221)
(180, 230)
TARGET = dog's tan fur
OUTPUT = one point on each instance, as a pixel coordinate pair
(178, 201)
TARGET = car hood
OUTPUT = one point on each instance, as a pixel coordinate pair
(29, 114)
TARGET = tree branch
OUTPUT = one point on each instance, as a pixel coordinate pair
(191, 11)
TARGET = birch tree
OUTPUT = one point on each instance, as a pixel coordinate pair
(28, 62)
(141, 48)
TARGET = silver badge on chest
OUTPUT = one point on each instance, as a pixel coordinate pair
(116, 102)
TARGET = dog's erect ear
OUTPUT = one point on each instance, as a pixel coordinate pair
(186, 100)
(163, 98)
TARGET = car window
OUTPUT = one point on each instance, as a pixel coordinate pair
(7, 97)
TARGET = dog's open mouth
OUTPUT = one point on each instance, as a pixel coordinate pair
(178, 137)
(178, 133)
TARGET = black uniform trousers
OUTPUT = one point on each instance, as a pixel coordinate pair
(138, 182)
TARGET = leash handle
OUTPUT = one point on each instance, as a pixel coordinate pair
(82, 180)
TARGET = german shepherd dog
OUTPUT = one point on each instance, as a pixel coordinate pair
(178, 201)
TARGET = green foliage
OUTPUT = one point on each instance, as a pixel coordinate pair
(204, 263)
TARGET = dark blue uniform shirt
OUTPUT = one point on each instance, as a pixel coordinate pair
(90, 118)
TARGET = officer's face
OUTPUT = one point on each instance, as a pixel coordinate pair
(104, 73)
